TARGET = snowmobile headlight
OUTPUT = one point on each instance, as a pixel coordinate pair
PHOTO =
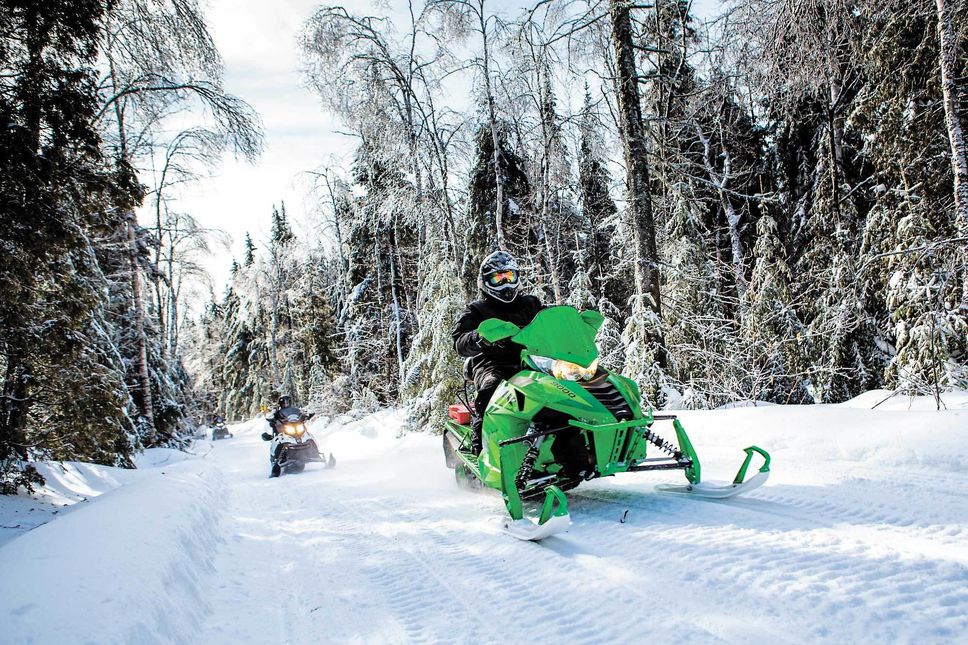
(294, 429)
(567, 371)
(543, 363)
(564, 370)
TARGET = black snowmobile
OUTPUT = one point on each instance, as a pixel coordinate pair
(219, 430)
(292, 446)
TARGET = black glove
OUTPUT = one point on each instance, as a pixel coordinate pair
(504, 343)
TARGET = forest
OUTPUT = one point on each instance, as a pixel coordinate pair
(768, 203)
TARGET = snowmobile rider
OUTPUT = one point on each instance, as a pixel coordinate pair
(283, 410)
(492, 363)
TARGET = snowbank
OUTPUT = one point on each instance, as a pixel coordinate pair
(891, 400)
(129, 568)
(68, 485)
(879, 437)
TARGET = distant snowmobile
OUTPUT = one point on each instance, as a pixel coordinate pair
(219, 431)
(292, 446)
(563, 420)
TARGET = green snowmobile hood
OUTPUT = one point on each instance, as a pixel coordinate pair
(561, 333)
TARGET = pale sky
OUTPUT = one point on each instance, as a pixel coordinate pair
(257, 39)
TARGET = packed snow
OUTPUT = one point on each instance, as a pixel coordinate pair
(860, 535)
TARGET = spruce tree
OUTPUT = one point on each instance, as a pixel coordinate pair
(481, 237)
(608, 262)
(778, 341)
(432, 376)
(249, 258)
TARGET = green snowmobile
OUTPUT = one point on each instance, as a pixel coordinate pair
(563, 420)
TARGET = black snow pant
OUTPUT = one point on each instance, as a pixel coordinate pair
(487, 378)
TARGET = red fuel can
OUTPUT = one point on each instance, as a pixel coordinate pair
(459, 413)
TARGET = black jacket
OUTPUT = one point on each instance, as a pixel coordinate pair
(280, 416)
(468, 343)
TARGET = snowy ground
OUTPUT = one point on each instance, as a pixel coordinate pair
(861, 535)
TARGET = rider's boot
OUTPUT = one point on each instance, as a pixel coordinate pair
(476, 426)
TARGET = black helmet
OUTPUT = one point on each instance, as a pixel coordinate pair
(285, 401)
(500, 278)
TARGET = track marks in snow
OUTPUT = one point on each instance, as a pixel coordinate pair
(752, 553)
(386, 550)
(448, 582)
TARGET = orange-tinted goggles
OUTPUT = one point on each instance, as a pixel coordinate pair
(502, 277)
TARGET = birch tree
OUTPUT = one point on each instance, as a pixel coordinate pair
(948, 64)
(156, 58)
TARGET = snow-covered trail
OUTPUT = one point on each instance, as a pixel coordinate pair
(385, 548)
(861, 535)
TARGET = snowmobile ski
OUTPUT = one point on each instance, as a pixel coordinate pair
(525, 529)
(708, 490)
(553, 518)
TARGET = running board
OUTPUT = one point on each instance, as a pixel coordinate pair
(660, 464)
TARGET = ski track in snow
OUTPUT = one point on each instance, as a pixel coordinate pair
(849, 541)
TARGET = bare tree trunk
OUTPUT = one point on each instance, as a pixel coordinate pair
(156, 274)
(344, 263)
(736, 244)
(274, 326)
(547, 137)
(552, 264)
(173, 322)
(495, 139)
(835, 124)
(14, 404)
(635, 150)
(137, 301)
(173, 294)
(396, 315)
(959, 156)
(408, 100)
